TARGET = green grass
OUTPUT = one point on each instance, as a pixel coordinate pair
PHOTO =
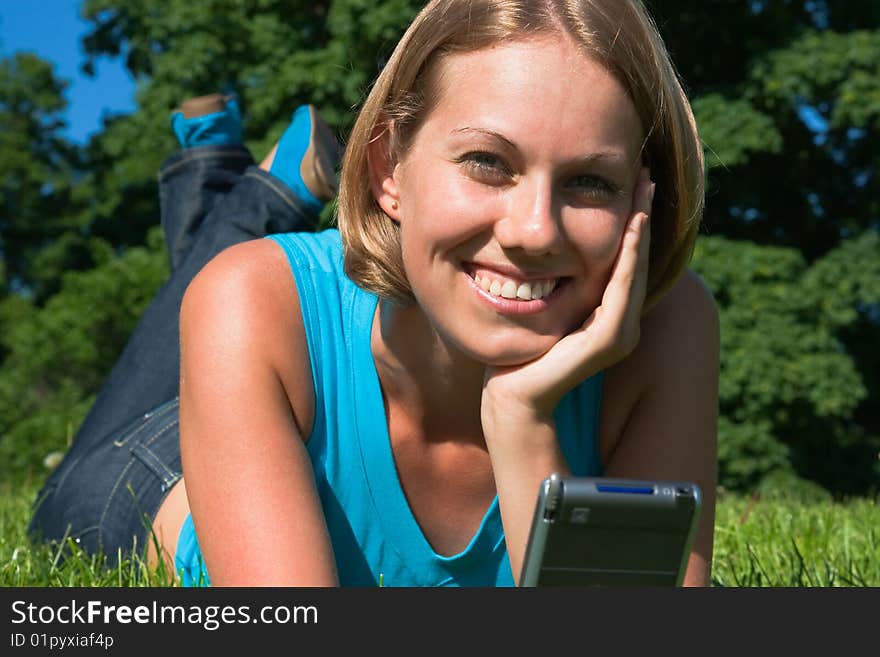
(25, 564)
(778, 542)
(758, 542)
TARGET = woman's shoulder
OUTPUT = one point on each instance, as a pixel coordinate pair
(688, 310)
(676, 331)
(321, 250)
(249, 276)
(678, 345)
(243, 306)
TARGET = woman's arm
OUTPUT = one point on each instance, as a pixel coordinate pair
(660, 408)
(246, 403)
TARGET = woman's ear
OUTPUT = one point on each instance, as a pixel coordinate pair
(383, 169)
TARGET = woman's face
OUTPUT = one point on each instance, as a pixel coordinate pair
(513, 196)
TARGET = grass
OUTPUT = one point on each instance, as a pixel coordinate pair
(758, 542)
(23, 563)
(779, 542)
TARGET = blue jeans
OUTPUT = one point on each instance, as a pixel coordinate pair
(126, 455)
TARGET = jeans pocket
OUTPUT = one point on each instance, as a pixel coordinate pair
(158, 466)
(155, 443)
(150, 419)
(148, 462)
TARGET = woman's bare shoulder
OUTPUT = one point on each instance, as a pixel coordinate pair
(243, 274)
(679, 342)
(244, 305)
(687, 313)
(683, 323)
(690, 297)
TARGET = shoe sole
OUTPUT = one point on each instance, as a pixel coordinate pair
(318, 166)
(202, 105)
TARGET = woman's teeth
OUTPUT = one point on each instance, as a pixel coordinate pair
(512, 290)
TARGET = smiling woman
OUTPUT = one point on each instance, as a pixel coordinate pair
(506, 297)
(515, 196)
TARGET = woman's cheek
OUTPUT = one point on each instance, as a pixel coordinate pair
(598, 243)
(597, 236)
(462, 212)
(461, 195)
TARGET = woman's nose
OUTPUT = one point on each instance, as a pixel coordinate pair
(531, 221)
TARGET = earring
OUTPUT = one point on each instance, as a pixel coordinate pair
(393, 205)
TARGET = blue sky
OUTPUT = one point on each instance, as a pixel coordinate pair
(53, 29)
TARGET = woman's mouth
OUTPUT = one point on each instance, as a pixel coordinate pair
(507, 288)
(511, 294)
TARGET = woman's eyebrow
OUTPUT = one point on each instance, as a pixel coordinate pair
(483, 132)
(610, 156)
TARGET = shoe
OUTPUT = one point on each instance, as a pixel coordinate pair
(307, 157)
(201, 105)
(212, 120)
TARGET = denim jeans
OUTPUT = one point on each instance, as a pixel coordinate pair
(126, 455)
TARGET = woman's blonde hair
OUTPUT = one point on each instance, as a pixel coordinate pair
(617, 33)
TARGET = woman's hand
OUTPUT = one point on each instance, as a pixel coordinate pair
(608, 335)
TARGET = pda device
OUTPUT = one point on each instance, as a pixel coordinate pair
(595, 531)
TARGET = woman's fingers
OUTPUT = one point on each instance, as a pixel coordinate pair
(626, 289)
(643, 195)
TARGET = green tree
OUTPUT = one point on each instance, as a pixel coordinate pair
(787, 97)
(57, 355)
(38, 219)
(791, 388)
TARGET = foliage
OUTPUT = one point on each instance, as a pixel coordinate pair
(786, 94)
(36, 171)
(719, 117)
(58, 355)
(787, 98)
(790, 388)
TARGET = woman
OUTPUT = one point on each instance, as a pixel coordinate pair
(506, 297)
(493, 219)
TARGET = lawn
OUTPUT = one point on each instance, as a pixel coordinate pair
(758, 542)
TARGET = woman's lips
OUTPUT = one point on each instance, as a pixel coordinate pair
(513, 295)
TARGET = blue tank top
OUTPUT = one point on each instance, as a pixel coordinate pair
(374, 534)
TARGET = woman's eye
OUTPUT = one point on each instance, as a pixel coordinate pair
(592, 187)
(486, 166)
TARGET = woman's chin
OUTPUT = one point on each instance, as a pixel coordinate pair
(513, 355)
